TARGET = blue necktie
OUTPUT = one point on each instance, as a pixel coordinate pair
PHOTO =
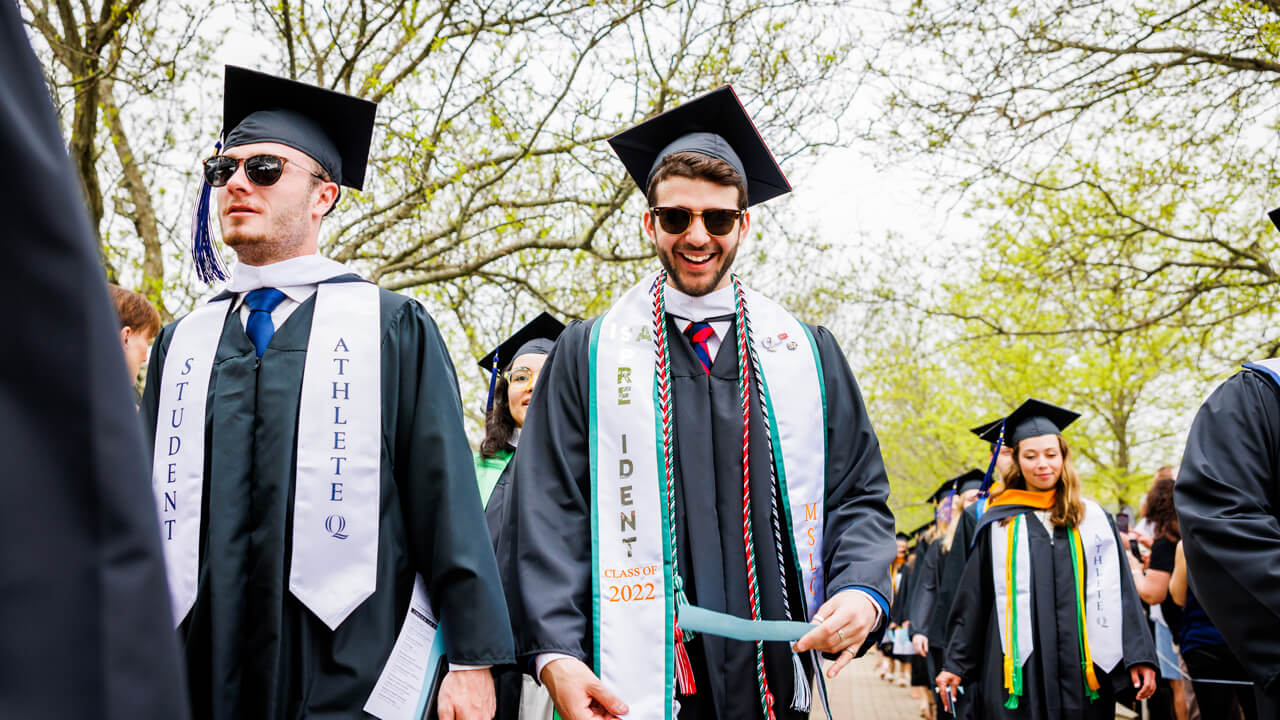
(259, 328)
(699, 333)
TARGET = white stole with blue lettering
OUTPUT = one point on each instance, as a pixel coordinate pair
(338, 482)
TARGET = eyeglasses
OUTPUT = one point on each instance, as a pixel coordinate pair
(676, 220)
(262, 170)
(520, 377)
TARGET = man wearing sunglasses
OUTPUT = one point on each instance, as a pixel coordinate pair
(317, 498)
(717, 453)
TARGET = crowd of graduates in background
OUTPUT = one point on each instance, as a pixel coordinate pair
(1198, 676)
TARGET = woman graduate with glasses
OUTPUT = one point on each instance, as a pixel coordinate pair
(513, 369)
(1046, 619)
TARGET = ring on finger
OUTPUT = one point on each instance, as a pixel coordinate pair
(819, 619)
(849, 651)
(840, 632)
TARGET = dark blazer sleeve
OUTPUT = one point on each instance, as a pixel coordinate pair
(858, 541)
(84, 612)
(1228, 502)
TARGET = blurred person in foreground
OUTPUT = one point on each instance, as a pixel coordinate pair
(84, 629)
(1228, 503)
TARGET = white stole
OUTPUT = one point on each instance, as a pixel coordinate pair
(633, 596)
(1104, 603)
(338, 481)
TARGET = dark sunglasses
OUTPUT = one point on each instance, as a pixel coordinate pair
(676, 220)
(261, 170)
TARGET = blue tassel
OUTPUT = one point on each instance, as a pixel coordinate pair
(991, 468)
(493, 381)
(208, 262)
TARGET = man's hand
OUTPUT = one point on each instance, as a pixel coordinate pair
(1144, 680)
(578, 693)
(844, 622)
(467, 695)
(948, 683)
(921, 644)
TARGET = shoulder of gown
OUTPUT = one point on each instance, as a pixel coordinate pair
(1228, 501)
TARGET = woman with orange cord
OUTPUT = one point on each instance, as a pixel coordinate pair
(1046, 621)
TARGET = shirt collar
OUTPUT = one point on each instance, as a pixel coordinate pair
(300, 271)
(697, 308)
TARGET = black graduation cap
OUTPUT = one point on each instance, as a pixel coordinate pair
(1034, 418)
(922, 529)
(332, 128)
(714, 124)
(537, 336)
(903, 536)
(989, 431)
(971, 480)
(941, 492)
(1275, 217)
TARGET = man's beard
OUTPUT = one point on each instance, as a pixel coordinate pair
(667, 258)
(284, 231)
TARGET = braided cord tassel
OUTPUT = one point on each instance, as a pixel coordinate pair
(685, 684)
(801, 699)
(753, 584)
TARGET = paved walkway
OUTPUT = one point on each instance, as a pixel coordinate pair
(858, 694)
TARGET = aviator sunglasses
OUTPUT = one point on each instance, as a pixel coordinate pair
(676, 220)
(262, 170)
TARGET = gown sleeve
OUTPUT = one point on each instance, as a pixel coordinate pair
(970, 614)
(435, 476)
(858, 539)
(551, 523)
(926, 590)
(1228, 502)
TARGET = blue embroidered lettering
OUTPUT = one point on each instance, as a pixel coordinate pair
(186, 367)
(339, 440)
(337, 415)
(346, 390)
(170, 500)
(175, 444)
(337, 464)
(182, 386)
(175, 418)
(335, 491)
(341, 344)
(169, 524)
(342, 365)
(173, 472)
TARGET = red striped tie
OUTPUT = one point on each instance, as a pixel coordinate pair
(699, 333)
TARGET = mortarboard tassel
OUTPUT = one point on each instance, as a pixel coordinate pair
(801, 700)
(493, 382)
(991, 468)
(209, 266)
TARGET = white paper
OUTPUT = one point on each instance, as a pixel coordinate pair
(401, 691)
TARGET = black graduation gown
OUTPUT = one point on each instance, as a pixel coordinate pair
(1228, 501)
(1052, 679)
(85, 625)
(253, 650)
(551, 592)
